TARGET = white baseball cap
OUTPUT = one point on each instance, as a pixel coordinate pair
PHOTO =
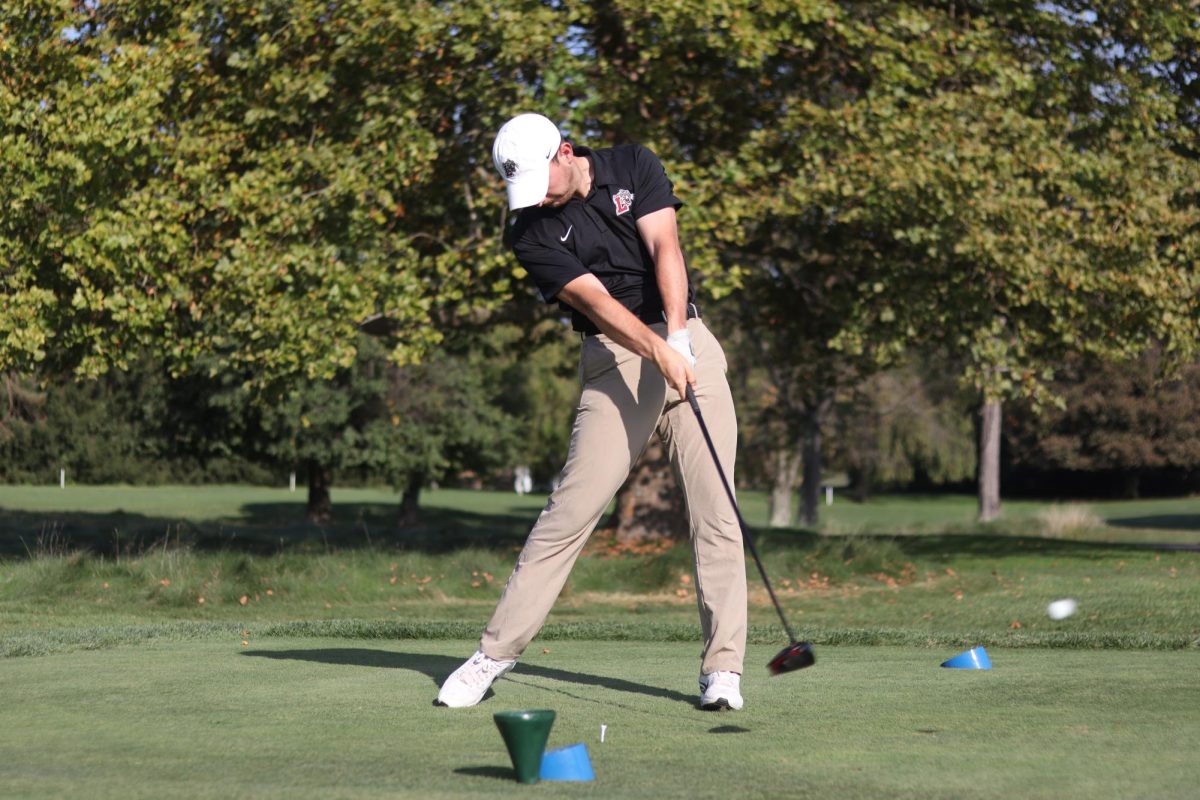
(522, 153)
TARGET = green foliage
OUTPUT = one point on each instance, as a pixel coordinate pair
(237, 190)
(1118, 418)
(905, 427)
(379, 422)
(240, 189)
(245, 185)
(439, 416)
(479, 409)
(136, 427)
(540, 391)
(881, 176)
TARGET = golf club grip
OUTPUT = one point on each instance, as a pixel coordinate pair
(691, 398)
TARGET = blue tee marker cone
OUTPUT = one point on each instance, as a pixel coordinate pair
(975, 658)
(569, 763)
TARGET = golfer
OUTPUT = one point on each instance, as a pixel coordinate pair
(598, 235)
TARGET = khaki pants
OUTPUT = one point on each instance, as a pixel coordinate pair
(625, 399)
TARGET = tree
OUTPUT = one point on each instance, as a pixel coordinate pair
(132, 426)
(440, 415)
(978, 228)
(316, 427)
(239, 189)
(1120, 423)
(22, 402)
(98, 431)
(884, 176)
(539, 388)
(243, 185)
(906, 426)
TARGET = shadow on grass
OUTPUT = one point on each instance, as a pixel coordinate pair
(271, 528)
(437, 668)
(1164, 522)
(262, 529)
(502, 773)
(955, 545)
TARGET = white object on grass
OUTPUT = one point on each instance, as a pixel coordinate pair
(1061, 609)
(603, 728)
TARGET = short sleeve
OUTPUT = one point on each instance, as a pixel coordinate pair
(551, 267)
(652, 189)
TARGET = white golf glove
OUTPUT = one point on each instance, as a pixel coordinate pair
(681, 342)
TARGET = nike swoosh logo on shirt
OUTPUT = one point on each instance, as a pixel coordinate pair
(563, 238)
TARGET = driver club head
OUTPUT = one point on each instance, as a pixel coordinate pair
(796, 655)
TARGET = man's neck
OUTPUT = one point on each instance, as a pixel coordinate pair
(586, 177)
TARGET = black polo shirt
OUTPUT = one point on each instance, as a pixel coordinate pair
(599, 235)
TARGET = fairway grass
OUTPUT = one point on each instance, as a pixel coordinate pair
(209, 642)
(332, 718)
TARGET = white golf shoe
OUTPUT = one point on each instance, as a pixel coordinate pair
(467, 685)
(721, 691)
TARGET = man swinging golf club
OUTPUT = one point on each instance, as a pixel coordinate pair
(598, 235)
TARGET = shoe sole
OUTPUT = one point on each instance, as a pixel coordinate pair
(720, 704)
(439, 704)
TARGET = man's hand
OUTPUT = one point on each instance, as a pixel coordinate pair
(681, 342)
(588, 295)
(674, 367)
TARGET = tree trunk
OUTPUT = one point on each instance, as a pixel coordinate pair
(860, 480)
(649, 505)
(786, 471)
(810, 489)
(410, 510)
(989, 461)
(811, 437)
(320, 479)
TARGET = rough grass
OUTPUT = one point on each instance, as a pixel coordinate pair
(82, 584)
(1068, 521)
(930, 590)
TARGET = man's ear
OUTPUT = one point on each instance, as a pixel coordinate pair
(565, 149)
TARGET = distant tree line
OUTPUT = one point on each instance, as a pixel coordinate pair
(1124, 431)
(456, 413)
(275, 226)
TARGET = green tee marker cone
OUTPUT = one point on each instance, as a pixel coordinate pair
(525, 734)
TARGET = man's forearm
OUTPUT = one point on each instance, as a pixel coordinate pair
(587, 295)
(671, 275)
(613, 319)
(660, 233)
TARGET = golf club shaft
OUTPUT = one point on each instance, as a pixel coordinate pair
(691, 398)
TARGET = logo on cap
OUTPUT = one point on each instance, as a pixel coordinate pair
(510, 168)
(623, 200)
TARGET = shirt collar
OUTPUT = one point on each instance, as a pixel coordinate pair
(601, 174)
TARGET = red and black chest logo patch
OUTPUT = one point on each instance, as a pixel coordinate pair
(623, 200)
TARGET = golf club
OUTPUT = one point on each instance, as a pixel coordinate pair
(796, 655)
